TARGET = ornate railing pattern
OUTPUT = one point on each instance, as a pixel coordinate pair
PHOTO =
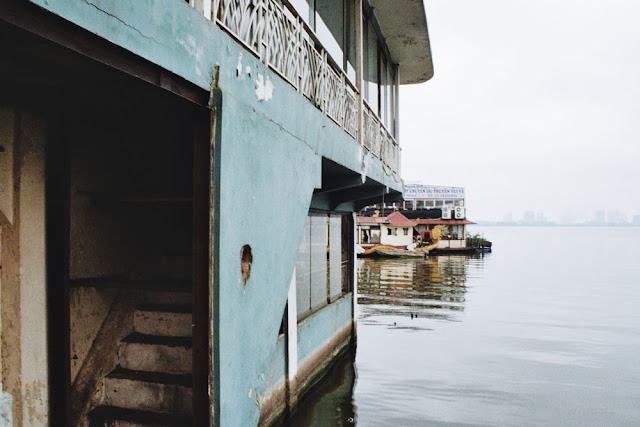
(379, 141)
(283, 42)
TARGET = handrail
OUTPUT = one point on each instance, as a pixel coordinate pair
(277, 36)
(379, 140)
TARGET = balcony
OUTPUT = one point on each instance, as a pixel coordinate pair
(282, 40)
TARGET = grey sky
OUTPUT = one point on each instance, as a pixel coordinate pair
(534, 105)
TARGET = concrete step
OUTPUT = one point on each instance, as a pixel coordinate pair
(152, 353)
(164, 320)
(149, 391)
(110, 416)
(180, 299)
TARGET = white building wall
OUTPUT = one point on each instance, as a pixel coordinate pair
(399, 239)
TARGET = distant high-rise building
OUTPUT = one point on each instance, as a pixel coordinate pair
(529, 217)
(540, 218)
(600, 217)
(616, 217)
(636, 220)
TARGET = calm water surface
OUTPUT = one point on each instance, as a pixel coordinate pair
(543, 331)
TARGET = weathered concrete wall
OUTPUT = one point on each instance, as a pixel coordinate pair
(88, 309)
(23, 298)
(261, 170)
(319, 338)
(7, 133)
(277, 369)
(178, 38)
(267, 163)
(101, 358)
(115, 156)
(6, 401)
(318, 329)
(34, 366)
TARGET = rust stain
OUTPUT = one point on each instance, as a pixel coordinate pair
(33, 400)
(246, 259)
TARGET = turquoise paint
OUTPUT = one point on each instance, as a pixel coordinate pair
(267, 162)
(317, 330)
(176, 37)
(277, 370)
(266, 180)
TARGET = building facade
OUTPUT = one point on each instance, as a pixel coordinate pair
(393, 230)
(177, 188)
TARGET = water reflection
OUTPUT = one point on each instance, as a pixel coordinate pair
(398, 294)
(330, 402)
(414, 288)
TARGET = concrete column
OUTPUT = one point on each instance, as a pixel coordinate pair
(33, 301)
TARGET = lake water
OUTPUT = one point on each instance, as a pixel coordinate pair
(543, 331)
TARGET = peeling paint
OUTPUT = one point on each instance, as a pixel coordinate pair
(33, 400)
(364, 164)
(264, 89)
(248, 71)
(239, 66)
(259, 399)
(6, 409)
(250, 391)
(246, 259)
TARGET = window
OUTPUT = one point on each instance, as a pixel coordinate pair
(371, 67)
(392, 231)
(329, 26)
(322, 258)
(406, 231)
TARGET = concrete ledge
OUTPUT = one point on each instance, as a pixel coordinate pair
(309, 373)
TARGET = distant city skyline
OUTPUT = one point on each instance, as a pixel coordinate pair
(533, 106)
(598, 217)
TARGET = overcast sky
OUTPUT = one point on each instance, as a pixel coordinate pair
(534, 105)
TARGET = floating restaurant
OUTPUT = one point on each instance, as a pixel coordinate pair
(140, 141)
(423, 209)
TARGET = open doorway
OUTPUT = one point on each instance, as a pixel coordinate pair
(137, 290)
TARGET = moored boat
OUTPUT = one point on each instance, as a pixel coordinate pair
(399, 253)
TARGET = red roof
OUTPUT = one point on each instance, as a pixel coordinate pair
(445, 222)
(371, 219)
(395, 219)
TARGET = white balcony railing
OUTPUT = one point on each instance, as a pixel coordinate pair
(379, 141)
(280, 39)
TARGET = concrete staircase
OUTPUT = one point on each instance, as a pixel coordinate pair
(151, 386)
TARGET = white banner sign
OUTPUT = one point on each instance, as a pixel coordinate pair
(415, 191)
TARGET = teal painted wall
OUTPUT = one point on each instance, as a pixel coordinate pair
(277, 370)
(266, 180)
(267, 164)
(176, 37)
(318, 329)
